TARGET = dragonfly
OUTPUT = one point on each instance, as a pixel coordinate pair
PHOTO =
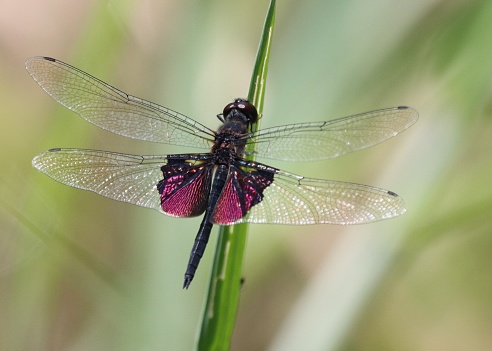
(222, 182)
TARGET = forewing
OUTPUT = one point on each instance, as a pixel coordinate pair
(324, 140)
(295, 200)
(114, 110)
(122, 177)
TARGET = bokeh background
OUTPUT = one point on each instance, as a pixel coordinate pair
(81, 272)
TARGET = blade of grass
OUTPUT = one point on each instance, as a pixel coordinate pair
(219, 315)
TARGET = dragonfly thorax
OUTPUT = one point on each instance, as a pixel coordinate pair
(229, 142)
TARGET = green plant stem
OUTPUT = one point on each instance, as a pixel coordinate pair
(219, 315)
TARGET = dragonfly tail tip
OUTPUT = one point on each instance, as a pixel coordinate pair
(187, 282)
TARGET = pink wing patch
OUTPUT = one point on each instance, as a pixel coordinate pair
(185, 189)
(241, 191)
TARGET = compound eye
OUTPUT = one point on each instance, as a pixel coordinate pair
(243, 106)
(249, 110)
(228, 109)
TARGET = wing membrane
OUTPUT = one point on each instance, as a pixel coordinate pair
(296, 200)
(114, 110)
(324, 140)
(122, 177)
(241, 191)
(185, 189)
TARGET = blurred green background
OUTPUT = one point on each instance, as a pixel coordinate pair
(81, 272)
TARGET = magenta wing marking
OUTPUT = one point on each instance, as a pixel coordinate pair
(241, 191)
(184, 189)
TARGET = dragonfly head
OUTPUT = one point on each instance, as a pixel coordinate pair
(242, 110)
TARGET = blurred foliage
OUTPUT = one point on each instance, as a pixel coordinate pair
(81, 272)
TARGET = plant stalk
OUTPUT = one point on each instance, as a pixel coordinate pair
(222, 301)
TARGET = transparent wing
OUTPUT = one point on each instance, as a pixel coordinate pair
(114, 110)
(324, 140)
(122, 177)
(295, 200)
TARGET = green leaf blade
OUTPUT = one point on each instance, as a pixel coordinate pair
(219, 315)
